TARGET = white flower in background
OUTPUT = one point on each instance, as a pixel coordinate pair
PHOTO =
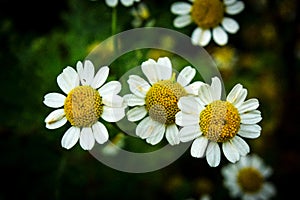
(141, 16)
(157, 99)
(247, 179)
(210, 18)
(84, 105)
(114, 3)
(208, 121)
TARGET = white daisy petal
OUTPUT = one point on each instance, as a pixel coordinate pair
(70, 137)
(54, 100)
(172, 134)
(242, 147)
(112, 87)
(184, 119)
(193, 88)
(235, 8)
(237, 95)
(100, 77)
(252, 117)
(216, 88)
(127, 2)
(55, 119)
(220, 36)
(186, 75)
(111, 114)
(87, 139)
(100, 132)
(112, 3)
(88, 73)
(112, 100)
(182, 21)
(188, 133)
(228, 2)
(138, 86)
(151, 71)
(181, 8)
(198, 147)
(68, 79)
(213, 154)
(164, 65)
(249, 131)
(136, 113)
(148, 128)
(230, 152)
(155, 139)
(132, 100)
(230, 25)
(189, 104)
(249, 105)
(79, 68)
(205, 95)
(201, 37)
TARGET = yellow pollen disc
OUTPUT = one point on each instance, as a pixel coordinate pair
(250, 179)
(83, 106)
(219, 121)
(207, 13)
(161, 101)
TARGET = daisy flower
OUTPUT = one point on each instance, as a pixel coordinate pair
(114, 3)
(210, 18)
(208, 121)
(247, 179)
(86, 100)
(155, 102)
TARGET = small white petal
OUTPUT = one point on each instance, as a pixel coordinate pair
(155, 139)
(216, 88)
(136, 113)
(237, 95)
(87, 139)
(188, 133)
(213, 154)
(138, 86)
(88, 73)
(182, 21)
(249, 105)
(111, 114)
(148, 128)
(230, 152)
(56, 119)
(235, 8)
(164, 65)
(100, 77)
(79, 68)
(68, 79)
(252, 117)
(228, 2)
(241, 146)
(184, 119)
(133, 100)
(70, 137)
(249, 131)
(201, 37)
(54, 100)
(100, 132)
(205, 95)
(198, 147)
(230, 25)
(112, 87)
(127, 2)
(181, 8)
(186, 75)
(112, 100)
(193, 88)
(190, 105)
(172, 134)
(220, 36)
(112, 3)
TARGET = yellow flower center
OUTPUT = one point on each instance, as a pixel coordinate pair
(207, 13)
(83, 106)
(219, 121)
(161, 100)
(250, 180)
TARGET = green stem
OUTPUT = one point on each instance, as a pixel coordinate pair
(114, 21)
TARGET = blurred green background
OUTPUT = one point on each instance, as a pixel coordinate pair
(40, 38)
